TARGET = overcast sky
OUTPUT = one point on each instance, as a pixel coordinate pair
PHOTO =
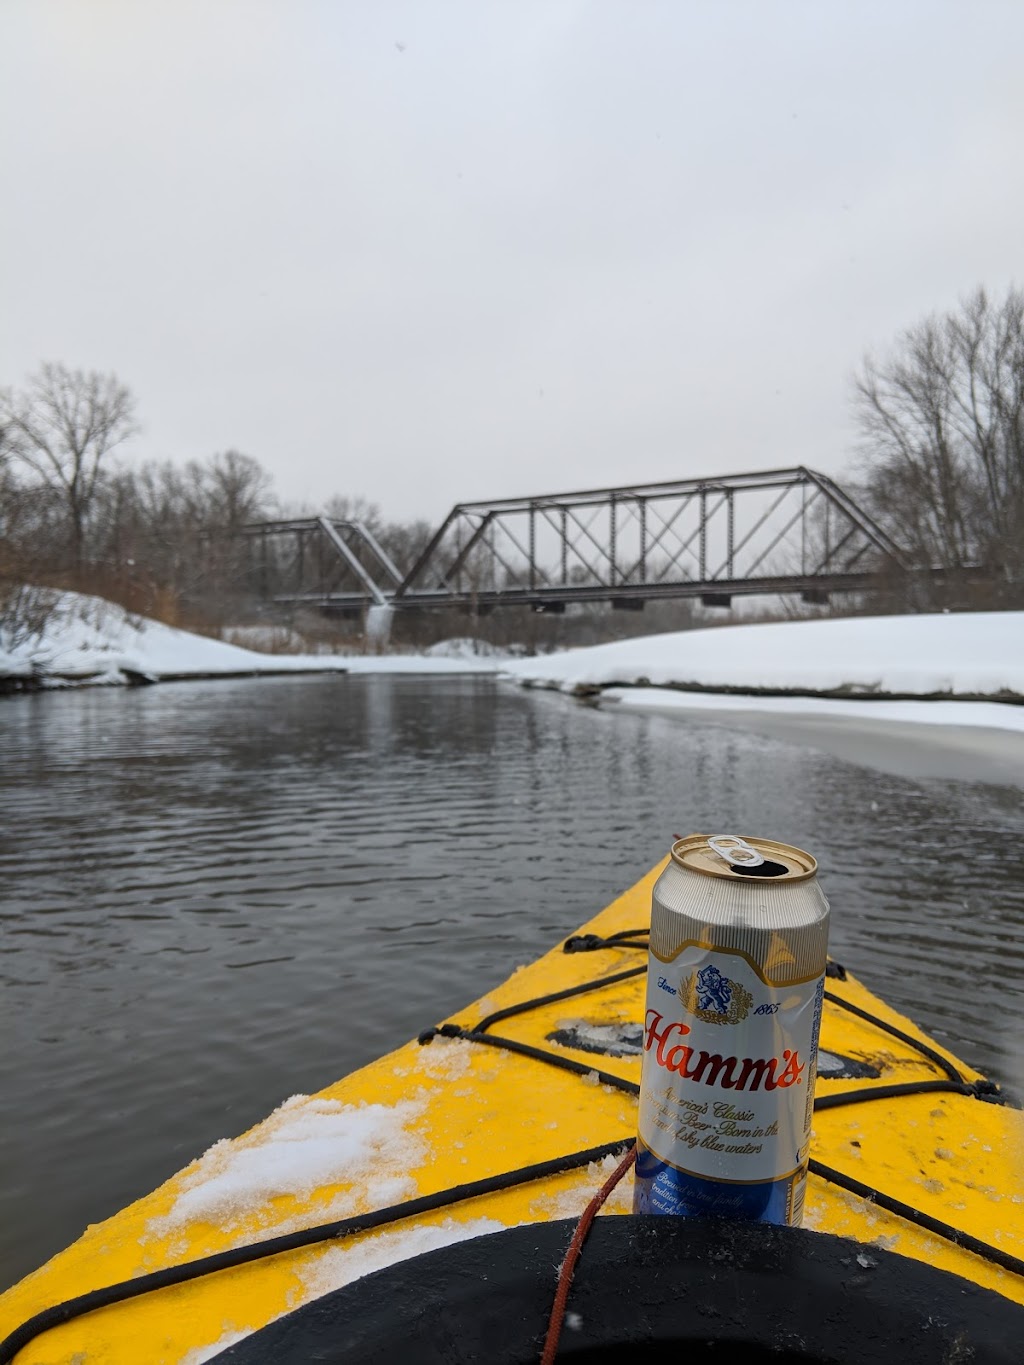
(437, 251)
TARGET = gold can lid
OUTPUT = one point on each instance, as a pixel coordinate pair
(742, 856)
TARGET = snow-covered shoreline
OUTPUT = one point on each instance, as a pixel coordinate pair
(985, 715)
(976, 656)
(86, 641)
(918, 696)
(950, 670)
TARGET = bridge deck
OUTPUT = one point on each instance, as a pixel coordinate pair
(715, 538)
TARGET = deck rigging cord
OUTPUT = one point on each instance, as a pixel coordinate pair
(273, 1246)
(572, 1256)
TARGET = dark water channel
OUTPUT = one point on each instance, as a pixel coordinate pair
(216, 895)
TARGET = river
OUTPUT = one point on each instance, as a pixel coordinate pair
(216, 895)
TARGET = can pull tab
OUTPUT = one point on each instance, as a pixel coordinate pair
(736, 851)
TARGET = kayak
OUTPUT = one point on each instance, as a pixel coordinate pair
(419, 1208)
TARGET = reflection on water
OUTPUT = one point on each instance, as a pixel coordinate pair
(216, 895)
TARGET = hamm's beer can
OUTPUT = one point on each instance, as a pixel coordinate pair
(739, 932)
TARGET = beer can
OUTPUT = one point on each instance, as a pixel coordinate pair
(735, 978)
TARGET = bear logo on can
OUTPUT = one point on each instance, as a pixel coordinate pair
(714, 998)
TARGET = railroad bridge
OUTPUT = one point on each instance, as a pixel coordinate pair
(774, 531)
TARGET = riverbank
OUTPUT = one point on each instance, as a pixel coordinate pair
(80, 641)
(914, 696)
(950, 669)
(966, 656)
(960, 740)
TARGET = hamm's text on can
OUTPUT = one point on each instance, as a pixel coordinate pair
(739, 938)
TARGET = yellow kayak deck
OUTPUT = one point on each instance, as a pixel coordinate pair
(454, 1110)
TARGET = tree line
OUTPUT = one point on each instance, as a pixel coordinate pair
(157, 536)
(941, 424)
(940, 466)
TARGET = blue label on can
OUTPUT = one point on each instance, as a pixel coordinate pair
(661, 1188)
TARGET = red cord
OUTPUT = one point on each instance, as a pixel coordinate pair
(573, 1255)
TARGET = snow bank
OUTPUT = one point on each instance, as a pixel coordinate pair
(986, 715)
(88, 640)
(975, 655)
(966, 655)
(467, 647)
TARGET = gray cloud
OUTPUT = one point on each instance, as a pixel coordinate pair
(429, 252)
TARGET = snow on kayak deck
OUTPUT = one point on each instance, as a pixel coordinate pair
(274, 1179)
(966, 654)
(306, 1144)
(340, 1265)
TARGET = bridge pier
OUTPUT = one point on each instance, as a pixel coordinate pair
(378, 624)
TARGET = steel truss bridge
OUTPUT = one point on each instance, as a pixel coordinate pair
(775, 531)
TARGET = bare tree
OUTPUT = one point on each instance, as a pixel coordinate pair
(169, 533)
(238, 490)
(942, 426)
(404, 541)
(988, 395)
(342, 507)
(62, 427)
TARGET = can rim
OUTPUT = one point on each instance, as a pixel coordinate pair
(806, 865)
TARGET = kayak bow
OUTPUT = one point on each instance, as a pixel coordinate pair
(512, 1113)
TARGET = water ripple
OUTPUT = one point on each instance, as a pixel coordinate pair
(219, 894)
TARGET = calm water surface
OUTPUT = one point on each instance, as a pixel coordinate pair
(216, 895)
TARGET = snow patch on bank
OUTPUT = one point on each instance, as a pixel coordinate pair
(972, 654)
(88, 637)
(980, 714)
(89, 640)
(468, 647)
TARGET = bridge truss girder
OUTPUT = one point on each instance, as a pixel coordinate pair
(771, 531)
(319, 559)
(784, 530)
